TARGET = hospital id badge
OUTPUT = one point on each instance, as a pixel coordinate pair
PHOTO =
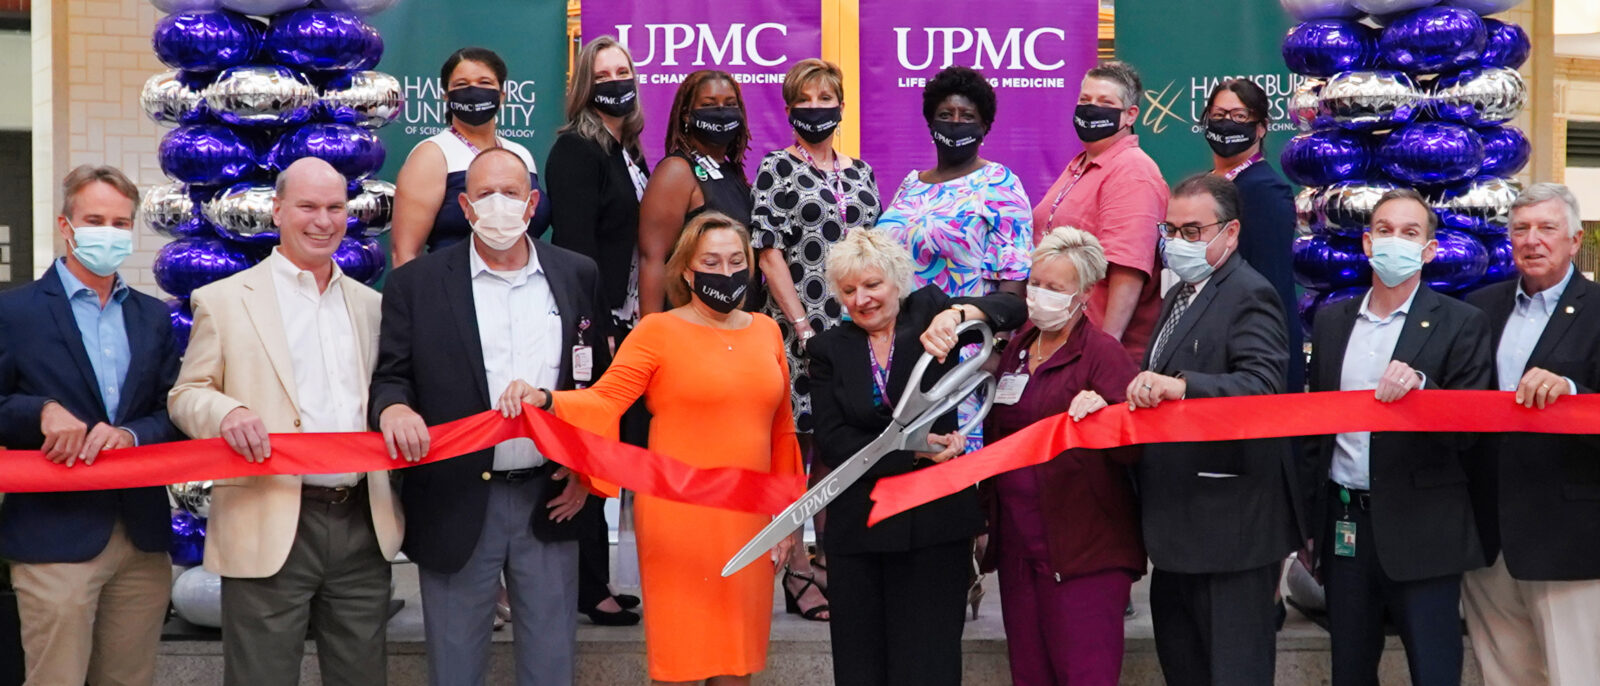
(1010, 390)
(582, 363)
(1344, 538)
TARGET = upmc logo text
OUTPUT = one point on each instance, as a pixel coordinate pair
(939, 46)
(734, 47)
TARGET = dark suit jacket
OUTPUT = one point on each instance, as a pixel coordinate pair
(42, 358)
(1266, 242)
(1422, 517)
(1229, 342)
(430, 358)
(1545, 517)
(846, 420)
(594, 209)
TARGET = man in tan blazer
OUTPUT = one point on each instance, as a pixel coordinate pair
(288, 346)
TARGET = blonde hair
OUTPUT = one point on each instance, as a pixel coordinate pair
(806, 71)
(864, 249)
(582, 117)
(1080, 247)
(689, 243)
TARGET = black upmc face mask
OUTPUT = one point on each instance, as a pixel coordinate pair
(956, 142)
(1096, 123)
(473, 105)
(1229, 138)
(721, 292)
(814, 124)
(617, 98)
(716, 125)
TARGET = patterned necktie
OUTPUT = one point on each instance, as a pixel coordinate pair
(1185, 293)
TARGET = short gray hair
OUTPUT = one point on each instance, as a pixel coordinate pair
(1122, 74)
(863, 249)
(1544, 192)
(1080, 247)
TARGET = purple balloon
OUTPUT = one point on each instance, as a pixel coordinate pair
(361, 259)
(1502, 261)
(371, 50)
(1505, 150)
(1327, 263)
(1324, 47)
(206, 41)
(1434, 39)
(189, 263)
(355, 152)
(182, 321)
(1460, 262)
(1315, 301)
(207, 155)
(188, 539)
(1508, 44)
(1431, 154)
(319, 40)
(1326, 157)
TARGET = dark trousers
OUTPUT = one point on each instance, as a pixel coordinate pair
(896, 618)
(1360, 595)
(594, 555)
(334, 587)
(1216, 629)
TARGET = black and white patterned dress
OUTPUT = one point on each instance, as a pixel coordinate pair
(796, 211)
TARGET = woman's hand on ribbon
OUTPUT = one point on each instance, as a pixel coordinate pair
(404, 433)
(1148, 389)
(244, 432)
(1540, 387)
(1397, 380)
(1085, 404)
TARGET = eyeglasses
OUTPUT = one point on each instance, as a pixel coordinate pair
(1238, 116)
(1188, 232)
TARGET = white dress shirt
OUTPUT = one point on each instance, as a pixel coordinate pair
(1367, 355)
(519, 327)
(330, 390)
(1529, 316)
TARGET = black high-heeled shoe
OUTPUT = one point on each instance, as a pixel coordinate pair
(791, 599)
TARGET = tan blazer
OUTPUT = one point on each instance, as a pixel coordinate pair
(239, 357)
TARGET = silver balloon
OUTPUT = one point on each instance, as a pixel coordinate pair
(1307, 213)
(1485, 7)
(1305, 105)
(181, 6)
(243, 212)
(1306, 10)
(197, 597)
(373, 208)
(261, 95)
(168, 100)
(361, 7)
(264, 8)
(1347, 206)
(193, 497)
(1371, 100)
(165, 208)
(1483, 97)
(368, 99)
(1391, 6)
(1484, 205)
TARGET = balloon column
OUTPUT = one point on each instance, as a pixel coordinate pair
(1403, 93)
(254, 86)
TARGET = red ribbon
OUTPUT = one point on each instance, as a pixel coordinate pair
(1232, 419)
(631, 467)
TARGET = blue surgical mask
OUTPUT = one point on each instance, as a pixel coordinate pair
(1187, 259)
(101, 249)
(1395, 259)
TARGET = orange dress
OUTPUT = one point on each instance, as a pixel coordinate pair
(720, 398)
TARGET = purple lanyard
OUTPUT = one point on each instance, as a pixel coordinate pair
(880, 375)
(1063, 194)
(466, 142)
(833, 181)
(1243, 166)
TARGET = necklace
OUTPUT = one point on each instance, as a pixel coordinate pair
(1038, 349)
(715, 330)
(468, 143)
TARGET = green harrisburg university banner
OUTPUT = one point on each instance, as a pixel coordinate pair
(1182, 48)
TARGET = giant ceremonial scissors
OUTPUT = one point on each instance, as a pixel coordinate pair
(913, 420)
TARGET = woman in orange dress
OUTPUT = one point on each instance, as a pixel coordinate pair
(716, 380)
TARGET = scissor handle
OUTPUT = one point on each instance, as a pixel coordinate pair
(990, 385)
(915, 435)
(916, 402)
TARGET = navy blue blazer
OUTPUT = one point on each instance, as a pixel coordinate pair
(42, 358)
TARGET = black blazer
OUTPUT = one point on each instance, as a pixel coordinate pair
(430, 358)
(846, 420)
(42, 358)
(1229, 342)
(1545, 517)
(595, 209)
(1422, 510)
(1266, 241)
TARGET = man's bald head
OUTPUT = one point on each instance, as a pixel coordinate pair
(308, 170)
(500, 168)
(310, 213)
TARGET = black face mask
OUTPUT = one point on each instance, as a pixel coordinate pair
(474, 105)
(1095, 123)
(716, 125)
(814, 124)
(956, 142)
(1228, 137)
(617, 98)
(721, 292)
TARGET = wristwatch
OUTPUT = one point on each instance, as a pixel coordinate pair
(549, 400)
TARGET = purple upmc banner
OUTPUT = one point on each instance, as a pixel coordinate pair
(1034, 52)
(756, 41)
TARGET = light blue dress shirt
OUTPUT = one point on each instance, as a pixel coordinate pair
(105, 334)
(1528, 318)
(1371, 347)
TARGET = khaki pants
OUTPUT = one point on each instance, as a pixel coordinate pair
(1533, 633)
(97, 621)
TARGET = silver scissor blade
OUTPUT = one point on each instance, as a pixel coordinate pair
(795, 515)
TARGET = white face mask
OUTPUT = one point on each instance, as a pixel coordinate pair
(1050, 310)
(500, 224)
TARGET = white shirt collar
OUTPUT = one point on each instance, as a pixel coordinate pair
(290, 272)
(1404, 309)
(476, 265)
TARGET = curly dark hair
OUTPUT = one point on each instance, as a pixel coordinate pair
(962, 81)
(677, 139)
